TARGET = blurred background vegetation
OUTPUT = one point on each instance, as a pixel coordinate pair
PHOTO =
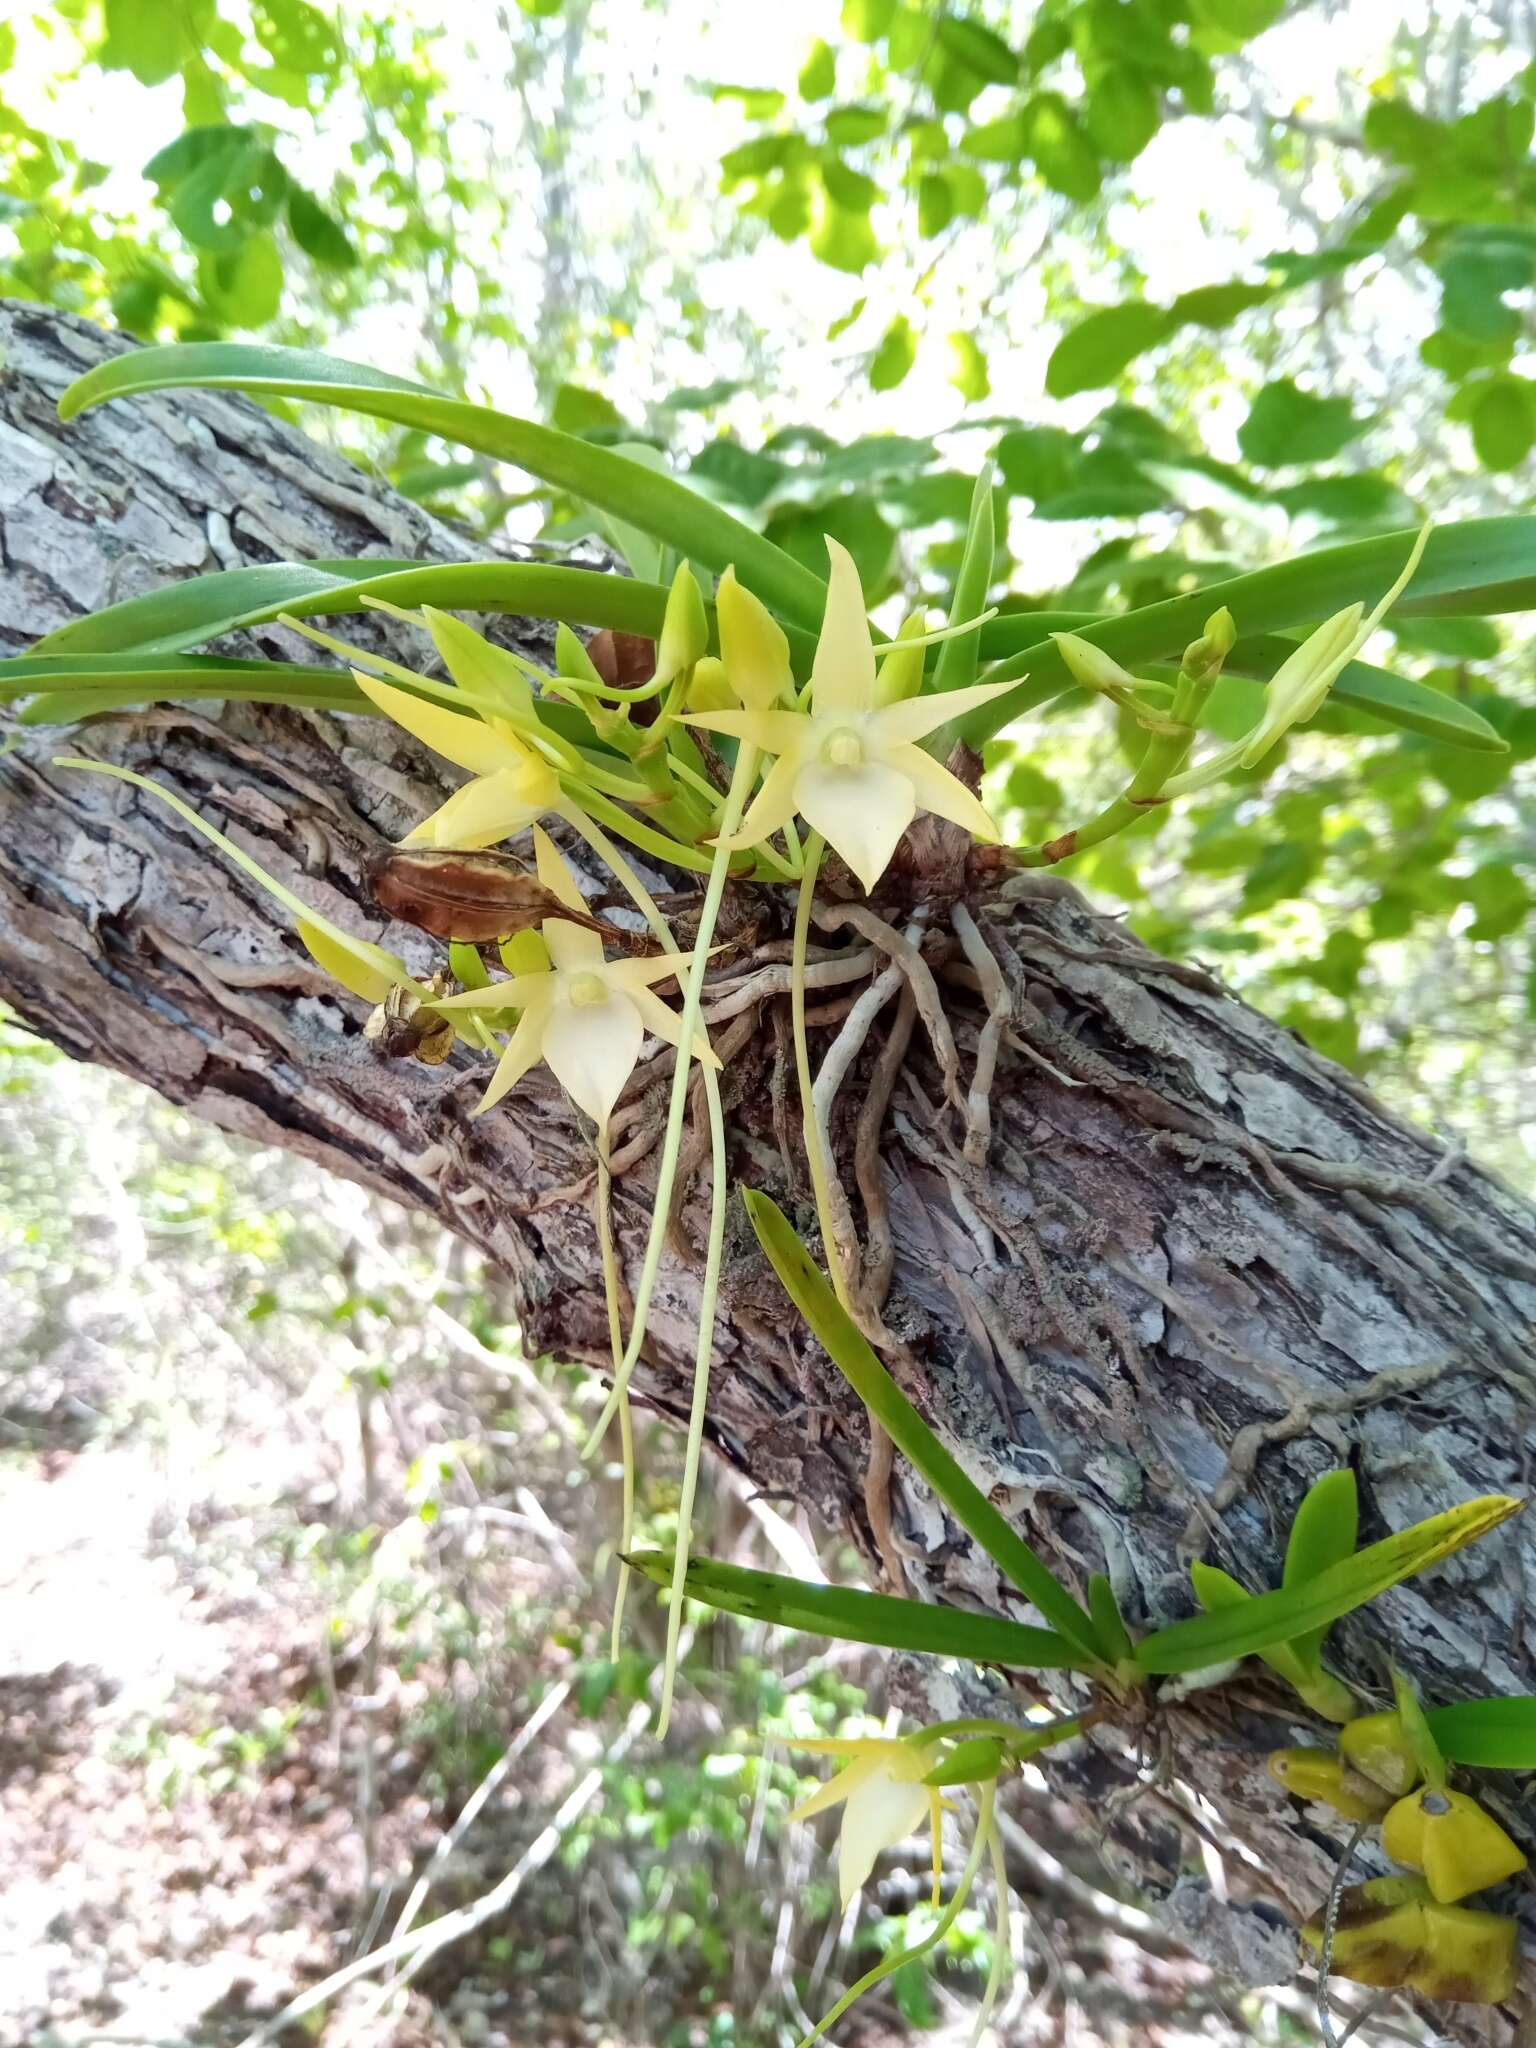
(295, 1536)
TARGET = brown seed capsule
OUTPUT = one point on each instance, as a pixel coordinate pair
(477, 897)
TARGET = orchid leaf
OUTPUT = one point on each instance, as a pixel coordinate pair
(852, 1354)
(853, 1616)
(660, 505)
(1323, 1531)
(1268, 1618)
(1491, 1734)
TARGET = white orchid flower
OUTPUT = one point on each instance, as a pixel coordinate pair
(585, 1016)
(849, 765)
(883, 1798)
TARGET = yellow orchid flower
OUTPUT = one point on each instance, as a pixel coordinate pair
(848, 764)
(883, 1798)
(512, 786)
(585, 1016)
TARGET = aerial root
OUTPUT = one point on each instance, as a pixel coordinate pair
(994, 989)
(925, 990)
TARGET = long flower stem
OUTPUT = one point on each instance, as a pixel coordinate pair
(815, 1159)
(890, 1964)
(616, 1352)
(742, 778)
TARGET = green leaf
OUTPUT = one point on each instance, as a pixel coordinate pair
(75, 686)
(1490, 1735)
(1063, 155)
(850, 1351)
(1323, 1532)
(818, 74)
(658, 504)
(956, 666)
(318, 233)
(978, 48)
(1287, 425)
(895, 355)
(1420, 1736)
(1474, 567)
(1123, 114)
(1097, 349)
(858, 1617)
(180, 615)
(969, 374)
(1270, 1618)
(1503, 421)
(844, 240)
(1107, 1619)
(152, 38)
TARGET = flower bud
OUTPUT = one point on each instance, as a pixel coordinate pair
(1378, 1746)
(1091, 666)
(572, 658)
(1448, 1836)
(684, 630)
(900, 674)
(1203, 657)
(709, 689)
(1319, 1774)
(1378, 1931)
(753, 647)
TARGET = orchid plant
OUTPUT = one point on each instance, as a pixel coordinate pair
(777, 725)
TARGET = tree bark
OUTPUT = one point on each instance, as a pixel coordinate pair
(1198, 1266)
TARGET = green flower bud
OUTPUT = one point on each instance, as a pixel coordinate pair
(708, 689)
(1204, 657)
(685, 629)
(900, 674)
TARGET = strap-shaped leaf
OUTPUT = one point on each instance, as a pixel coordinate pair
(1492, 1735)
(853, 1356)
(1269, 1618)
(200, 608)
(956, 668)
(660, 505)
(1324, 1530)
(72, 687)
(1475, 567)
(858, 1617)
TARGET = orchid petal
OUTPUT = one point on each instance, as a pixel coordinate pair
(881, 1811)
(522, 992)
(835, 1790)
(938, 791)
(487, 674)
(771, 809)
(467, 742)
(776, 732)
(862, 811)
(913, 718)
(522, 1052)
(843, 673)
(481, 813)
(362, 968)
(667, 1025)
(642, 969)
(591, 1049)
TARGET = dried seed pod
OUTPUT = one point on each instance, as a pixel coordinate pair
(477, 897)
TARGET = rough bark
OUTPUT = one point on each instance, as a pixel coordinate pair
(1199, 1266)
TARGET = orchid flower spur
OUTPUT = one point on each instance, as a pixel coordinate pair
(848, 764)
(585, 1016)
(883, 1796)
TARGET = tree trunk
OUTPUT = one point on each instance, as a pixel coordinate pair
(1198, 1266)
